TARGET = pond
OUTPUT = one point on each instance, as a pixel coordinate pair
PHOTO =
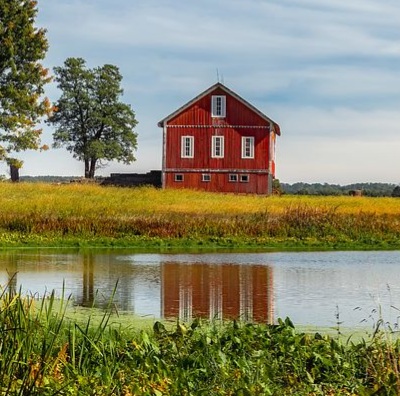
(312, 288)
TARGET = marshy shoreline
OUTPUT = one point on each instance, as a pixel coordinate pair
(47, 351)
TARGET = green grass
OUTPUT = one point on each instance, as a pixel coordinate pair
(45, 351)
(91, 215)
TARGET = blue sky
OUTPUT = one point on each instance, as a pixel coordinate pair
(327, 72)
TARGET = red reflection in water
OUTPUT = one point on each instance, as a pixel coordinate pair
(217, 292)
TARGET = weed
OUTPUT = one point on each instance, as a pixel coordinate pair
(43, 352)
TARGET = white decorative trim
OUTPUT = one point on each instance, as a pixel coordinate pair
(218, 106)
(164, 157)
(220, 126)
(187, 146)
(233, 178)
(244, 178)
(179, 176)
(206, 177)
(208, 170)
(214, 146)
(247, 147)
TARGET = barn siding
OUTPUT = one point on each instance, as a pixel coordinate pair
(195, 120)
(258, 183)
(202, 148)
(200, 113)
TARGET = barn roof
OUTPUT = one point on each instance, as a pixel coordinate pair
(228, 91)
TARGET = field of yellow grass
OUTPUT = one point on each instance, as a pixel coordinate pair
(86, 198)
(47, 214)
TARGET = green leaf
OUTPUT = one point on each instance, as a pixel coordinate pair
(22, 78)
(90, 119)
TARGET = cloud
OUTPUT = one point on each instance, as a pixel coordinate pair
(326, 71)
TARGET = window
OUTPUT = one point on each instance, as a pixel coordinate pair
(217, 147)
(178, 177)
(248, 147)
(218, 106)
(205, 177)
(187, 147)
(244, 178)
(233, 177)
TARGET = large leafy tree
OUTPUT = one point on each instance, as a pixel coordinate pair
(22, 80)
(91, 121)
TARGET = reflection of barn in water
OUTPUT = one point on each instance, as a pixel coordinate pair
(217, 292)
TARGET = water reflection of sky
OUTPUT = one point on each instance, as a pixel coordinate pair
(309, 287)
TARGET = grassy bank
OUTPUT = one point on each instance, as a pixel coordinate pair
(42, 352)
(90, 215)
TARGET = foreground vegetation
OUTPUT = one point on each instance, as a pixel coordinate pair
(91, 215)
(44, 352)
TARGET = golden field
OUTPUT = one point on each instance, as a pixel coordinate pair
(86, 198)
(58, 214)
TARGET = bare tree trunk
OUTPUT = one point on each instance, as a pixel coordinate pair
(92, 168)
(87, 174)
(14, 172)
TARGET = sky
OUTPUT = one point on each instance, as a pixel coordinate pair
(328, 72)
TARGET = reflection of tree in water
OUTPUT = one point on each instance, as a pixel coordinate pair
(103, 274)
(87, 280)
(220, 291)
(90, 276)
(95, 292)
(12, 272)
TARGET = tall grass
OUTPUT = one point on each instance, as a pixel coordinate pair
(42, 352)
(55, 214)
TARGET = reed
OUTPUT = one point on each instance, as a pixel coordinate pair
(43, 351)
(44, 214)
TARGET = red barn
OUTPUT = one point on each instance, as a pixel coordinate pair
(219, 142)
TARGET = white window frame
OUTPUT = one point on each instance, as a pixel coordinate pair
(187, 147)
(179, 176)
(205, 177)
(233, 177)
(247, 146)
(218, 106)
(217, 150)
(244, 178)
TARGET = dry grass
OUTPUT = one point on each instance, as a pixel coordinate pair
(92, 211)
(83, 199)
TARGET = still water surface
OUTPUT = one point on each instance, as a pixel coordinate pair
(309, 287)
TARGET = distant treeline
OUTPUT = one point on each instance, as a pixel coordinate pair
(366, 189)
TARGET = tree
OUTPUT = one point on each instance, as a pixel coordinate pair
(22, 80)
(396, 192)
(91, 121)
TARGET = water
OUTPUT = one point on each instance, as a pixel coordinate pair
(312, 288)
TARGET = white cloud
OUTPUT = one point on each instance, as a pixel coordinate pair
(326, 71)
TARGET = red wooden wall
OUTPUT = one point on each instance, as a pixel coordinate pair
(200, 112)
(233, 148)
(240, 121)
(258, 183)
